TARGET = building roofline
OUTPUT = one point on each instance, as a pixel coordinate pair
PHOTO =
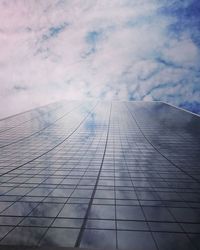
(23, 112)
(169, 105)
(26, 111)
(182, 109)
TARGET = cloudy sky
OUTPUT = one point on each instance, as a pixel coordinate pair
(105, 49)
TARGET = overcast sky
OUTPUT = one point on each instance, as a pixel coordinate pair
(106, 49)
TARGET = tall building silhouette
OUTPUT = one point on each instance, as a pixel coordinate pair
(102, 175)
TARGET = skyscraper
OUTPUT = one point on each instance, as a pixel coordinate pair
(101, 175)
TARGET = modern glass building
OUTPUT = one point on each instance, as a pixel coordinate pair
(105, 175)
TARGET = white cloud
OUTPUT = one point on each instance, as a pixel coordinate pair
(183, 52)
(44, 50)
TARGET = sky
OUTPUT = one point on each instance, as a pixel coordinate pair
(98, 49)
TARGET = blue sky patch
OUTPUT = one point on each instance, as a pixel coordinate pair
(54, 31)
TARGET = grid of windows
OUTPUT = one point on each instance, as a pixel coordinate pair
(102, 175)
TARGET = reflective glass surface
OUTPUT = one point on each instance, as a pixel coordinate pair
(101, 175)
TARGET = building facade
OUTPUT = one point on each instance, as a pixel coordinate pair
(106, 175)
